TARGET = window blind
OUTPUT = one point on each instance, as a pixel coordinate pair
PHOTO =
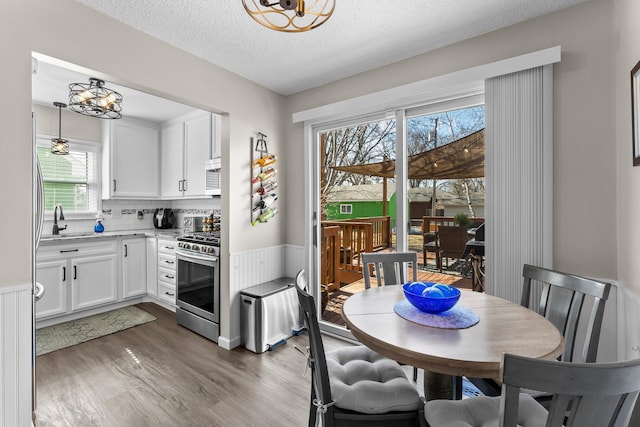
(518, 165)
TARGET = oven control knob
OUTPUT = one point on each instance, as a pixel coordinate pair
(195, 248)
(180, 244)
(186, 246)
(210, 250)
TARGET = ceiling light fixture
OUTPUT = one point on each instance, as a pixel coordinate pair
(95, 100)
(59, 146)
(290, 16)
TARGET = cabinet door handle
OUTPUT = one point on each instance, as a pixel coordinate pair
(184, 185)
(169, 277)
(114, 185)
(126, 252)
(169, 247)
(170, 262)
(68, 250)
(180, 185)
(75, 272)
(169, 293)
(64, 274)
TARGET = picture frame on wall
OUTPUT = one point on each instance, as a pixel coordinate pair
(635, 113)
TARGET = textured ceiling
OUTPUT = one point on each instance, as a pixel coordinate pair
(361, 35)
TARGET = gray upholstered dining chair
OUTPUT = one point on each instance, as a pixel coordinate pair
(563, 299)
(584, 395)
(388, 267)
(354, 385)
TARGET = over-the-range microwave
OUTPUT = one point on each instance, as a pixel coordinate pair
(213, 177)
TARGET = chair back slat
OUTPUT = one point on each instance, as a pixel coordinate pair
(388, 267)
(585, 394)
(562, 300)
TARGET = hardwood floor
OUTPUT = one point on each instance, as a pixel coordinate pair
(161, 374)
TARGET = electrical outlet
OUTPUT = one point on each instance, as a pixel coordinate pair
(140, 215)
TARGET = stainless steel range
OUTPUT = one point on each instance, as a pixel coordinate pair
(198, 283)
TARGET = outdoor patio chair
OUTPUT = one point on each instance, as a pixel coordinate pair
(452, 242)
(355, 386)
(564, 299)
(584, 395)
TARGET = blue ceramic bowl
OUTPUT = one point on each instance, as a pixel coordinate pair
(431, 297)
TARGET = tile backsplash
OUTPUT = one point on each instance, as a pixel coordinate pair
(123, 214)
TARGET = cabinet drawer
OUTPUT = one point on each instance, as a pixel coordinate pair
(60, 250)
(167, 262)
(168, 277)
(167, 293)
(167, 247)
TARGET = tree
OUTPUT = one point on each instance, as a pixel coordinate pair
(355, 145)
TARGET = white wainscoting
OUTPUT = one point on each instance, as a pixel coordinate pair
(253, 267)
(15, 355)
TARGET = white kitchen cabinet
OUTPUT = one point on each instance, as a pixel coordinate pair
(152, 266)
(53, 276)
(130, 158)
(186, 144)
(172, 147)
(134, 267)
(216, 136)
(94, 281)
(167, 271)
(77, 275)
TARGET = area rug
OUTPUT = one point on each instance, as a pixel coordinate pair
(62, 335)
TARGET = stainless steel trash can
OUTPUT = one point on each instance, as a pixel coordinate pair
(270, 314)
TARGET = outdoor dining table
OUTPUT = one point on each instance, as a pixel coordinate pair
(448, 354)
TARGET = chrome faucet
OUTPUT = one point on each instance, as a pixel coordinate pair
(56, 229)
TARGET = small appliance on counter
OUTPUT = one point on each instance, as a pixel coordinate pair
(270, 314)
(163, 218)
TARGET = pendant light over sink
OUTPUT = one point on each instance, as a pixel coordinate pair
(59, 146)
(95, 100)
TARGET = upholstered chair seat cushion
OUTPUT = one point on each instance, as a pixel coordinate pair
(482, 412)
(362, 380)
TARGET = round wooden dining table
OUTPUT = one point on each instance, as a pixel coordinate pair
(504, 327)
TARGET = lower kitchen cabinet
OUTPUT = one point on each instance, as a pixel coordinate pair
(167, 271)
(94, 281)
(53, 276)
(82, 274)
(134, 267)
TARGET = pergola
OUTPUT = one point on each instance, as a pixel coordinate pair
(462, 158)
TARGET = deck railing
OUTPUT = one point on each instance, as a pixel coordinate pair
(353, 237)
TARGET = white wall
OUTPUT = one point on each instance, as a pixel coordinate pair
(627, 48)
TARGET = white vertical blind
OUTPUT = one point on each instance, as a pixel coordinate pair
(518, 169)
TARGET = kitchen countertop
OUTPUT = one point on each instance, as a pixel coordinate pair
(171, 233)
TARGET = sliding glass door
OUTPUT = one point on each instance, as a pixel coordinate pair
(377, 180)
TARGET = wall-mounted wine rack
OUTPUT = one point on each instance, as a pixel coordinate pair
(263, 181)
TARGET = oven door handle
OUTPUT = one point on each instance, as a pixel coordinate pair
(190, 256)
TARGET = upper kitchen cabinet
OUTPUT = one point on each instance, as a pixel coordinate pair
(186, 144)
(130, 157)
